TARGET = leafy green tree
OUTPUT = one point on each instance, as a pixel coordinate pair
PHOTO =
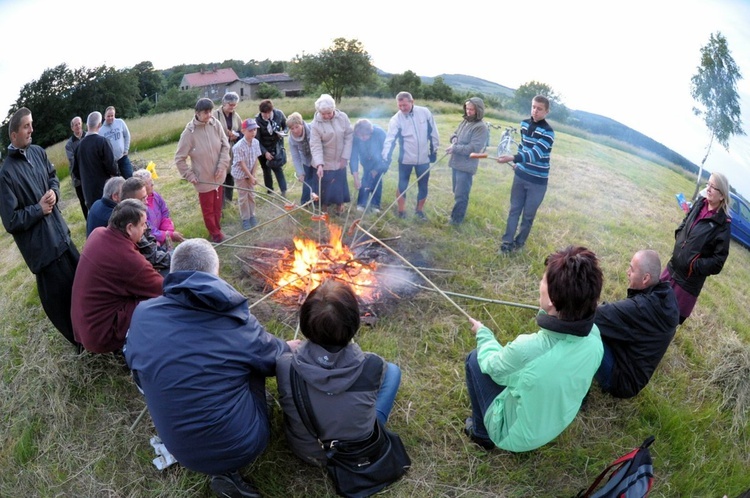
(343, 68)
(105, 86)
(150, 84)
(439, 90)
(266, 91)
(714, 88)
(408, 81)
(521, 101)
(175, 99)
(238, 66)
(276, 67)
(49, 100)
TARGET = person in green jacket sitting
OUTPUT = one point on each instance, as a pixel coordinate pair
(524, 394)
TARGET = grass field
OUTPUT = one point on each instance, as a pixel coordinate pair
(66, 420)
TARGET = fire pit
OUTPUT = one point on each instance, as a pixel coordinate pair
(310, 263)
(291, 273)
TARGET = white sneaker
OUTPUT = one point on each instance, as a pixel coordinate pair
(376, 210)
(360, 208)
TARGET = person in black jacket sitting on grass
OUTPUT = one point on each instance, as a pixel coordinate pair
(637, 330)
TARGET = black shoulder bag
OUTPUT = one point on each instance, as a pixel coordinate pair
(357, 468)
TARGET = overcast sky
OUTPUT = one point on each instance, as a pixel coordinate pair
(630, 61)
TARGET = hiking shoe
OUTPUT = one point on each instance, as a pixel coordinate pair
(232, 485)
(420, 215)
(246, 224)
(402, 215)
(506, 248)
(253, 222)
(485, 443)
(219, 238)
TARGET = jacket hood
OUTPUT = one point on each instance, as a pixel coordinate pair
(329, 372)
(194, 123)
(479, 105)
(578, 328)
(206, 292)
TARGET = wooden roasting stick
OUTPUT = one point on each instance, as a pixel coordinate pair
(415, 269)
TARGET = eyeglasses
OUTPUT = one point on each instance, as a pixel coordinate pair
(713, 187)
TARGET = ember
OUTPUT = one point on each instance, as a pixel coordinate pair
(311, 263)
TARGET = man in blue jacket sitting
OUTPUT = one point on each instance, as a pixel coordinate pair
(637, 330)
(201, 359)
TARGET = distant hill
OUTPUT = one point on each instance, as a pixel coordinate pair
(592, 123)
(462, 83)
(601, 125)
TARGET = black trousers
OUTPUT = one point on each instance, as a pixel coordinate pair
(82, 200)
(228, 190)
(55, 286)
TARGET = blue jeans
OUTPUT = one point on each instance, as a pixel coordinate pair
(604, 374)
(370, 186)
(310, 183)
(404, 173)
(525, 197)
(126, 169)
(482, 392)
(388, 390)
(462, 182)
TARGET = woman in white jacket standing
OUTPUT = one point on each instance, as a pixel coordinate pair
(331, 146)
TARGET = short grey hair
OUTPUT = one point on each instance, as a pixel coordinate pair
(404, 96)
(94, 120)
(363, 127)
(650, 263)
(143, 174)
(325, 103)
(195, 255)
(230, 98)
(112, 187)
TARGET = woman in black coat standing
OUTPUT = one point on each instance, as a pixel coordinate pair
(701, 244)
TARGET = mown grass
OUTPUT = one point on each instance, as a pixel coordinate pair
(66, 420)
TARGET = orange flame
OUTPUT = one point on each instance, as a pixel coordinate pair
(312, 264)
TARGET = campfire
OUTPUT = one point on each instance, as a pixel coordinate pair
(310, 263)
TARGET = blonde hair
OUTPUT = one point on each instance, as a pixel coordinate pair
(294, 118)
(722, 185)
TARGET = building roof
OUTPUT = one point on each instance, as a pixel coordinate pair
(211, 77)
(267, 78)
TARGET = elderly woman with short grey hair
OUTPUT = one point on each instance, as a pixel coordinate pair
(331, 137)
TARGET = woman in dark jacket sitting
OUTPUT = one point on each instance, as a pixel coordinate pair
(348, 388)
(701, 244)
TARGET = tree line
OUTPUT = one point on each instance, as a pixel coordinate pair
(343, 69)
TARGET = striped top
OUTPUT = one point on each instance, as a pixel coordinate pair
(532, 159)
